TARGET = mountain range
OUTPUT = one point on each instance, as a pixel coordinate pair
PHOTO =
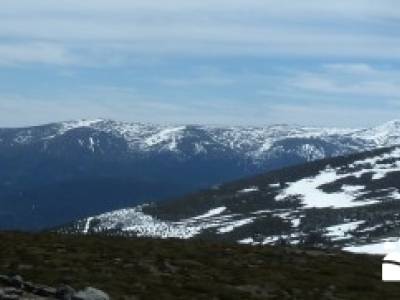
(55, 173)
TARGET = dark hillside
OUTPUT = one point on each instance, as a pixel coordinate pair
(185, 206)
(348, 201)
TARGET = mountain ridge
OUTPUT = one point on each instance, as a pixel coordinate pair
(255, 140)
(349, 202)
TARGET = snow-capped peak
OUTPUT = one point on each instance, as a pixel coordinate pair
(70, 125)
(387, 134)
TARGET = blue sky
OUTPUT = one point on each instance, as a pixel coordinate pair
(247, 62)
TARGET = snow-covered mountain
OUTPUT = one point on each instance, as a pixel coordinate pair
(350, 202)
(254, 143)
(55, 173)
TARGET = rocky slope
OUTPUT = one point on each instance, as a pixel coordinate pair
(350, 202)
(16, 288)
(56, 173)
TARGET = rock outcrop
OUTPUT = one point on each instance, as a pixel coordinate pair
(16, 288)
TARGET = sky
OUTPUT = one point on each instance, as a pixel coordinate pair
(228, 62)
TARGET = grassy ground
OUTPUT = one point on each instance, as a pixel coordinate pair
(170, 269)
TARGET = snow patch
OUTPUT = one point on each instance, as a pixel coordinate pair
(67, 126)
(135, 221)
(383, 247)
(87, 225)
(312, 196)
(274, 185)
(271, 240)
(247, 241)
(309, 191)
(341, 231)
(210, 213)
(168, 135)
(351, 189)
(231, 226)
(91, 144)
(296, 222)
(249, 190)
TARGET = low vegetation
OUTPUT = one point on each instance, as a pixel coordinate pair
(173, 269)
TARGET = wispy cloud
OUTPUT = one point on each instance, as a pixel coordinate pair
(351, 80)
(35, 52)
(220, 61)
(331, 115)
(95, 30)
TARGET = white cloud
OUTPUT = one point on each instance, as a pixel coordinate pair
(352, 68)
(94, 30)
(202, 78)
(331, 115)
(179, 35)
(119, 104)
(127, 105)
(354, 8)
(43, 53)
(350, 80)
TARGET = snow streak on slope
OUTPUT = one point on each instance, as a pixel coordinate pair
(169, 135)
(210, 213)
(249, 190)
